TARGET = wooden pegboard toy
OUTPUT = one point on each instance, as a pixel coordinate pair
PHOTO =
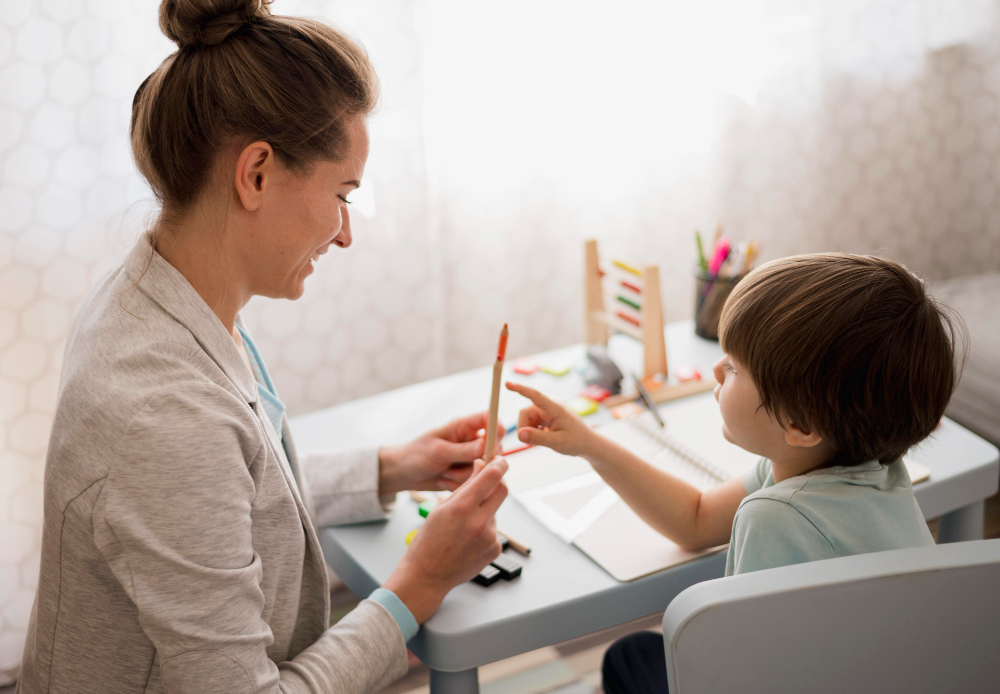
(626, 299)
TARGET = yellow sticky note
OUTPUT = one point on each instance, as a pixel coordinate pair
(556, 369)
(412, 534)
(583, 406)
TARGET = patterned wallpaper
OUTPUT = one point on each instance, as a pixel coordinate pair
(500, 145)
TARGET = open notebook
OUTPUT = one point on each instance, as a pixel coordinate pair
(572, 500)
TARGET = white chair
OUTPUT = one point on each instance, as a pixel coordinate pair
(912, 620)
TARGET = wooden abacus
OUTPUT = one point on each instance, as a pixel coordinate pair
(637, 312)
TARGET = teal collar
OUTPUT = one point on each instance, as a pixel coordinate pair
(273, 407)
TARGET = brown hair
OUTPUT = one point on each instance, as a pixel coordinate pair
(849, 346)
(242, 73)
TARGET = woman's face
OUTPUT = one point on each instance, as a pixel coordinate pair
(302, 216)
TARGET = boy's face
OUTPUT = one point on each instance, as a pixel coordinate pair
(744, 421)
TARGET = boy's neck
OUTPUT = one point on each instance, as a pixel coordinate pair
(798, 461)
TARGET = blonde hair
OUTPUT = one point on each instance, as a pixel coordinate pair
(242, 74)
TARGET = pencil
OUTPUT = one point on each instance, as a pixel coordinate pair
(647, 399)
(491, 422)
(518, 547)
(702, 261)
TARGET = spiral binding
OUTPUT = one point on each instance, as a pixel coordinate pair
(645, 425)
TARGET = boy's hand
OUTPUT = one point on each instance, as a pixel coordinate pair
(547, 423)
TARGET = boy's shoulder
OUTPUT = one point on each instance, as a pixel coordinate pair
(825, 513)
(769, 531)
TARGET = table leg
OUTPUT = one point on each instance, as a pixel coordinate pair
(464, 682)
(964, 524)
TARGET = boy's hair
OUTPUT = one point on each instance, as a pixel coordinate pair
(849, 346)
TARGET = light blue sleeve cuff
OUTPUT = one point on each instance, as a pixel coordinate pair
(400, 612)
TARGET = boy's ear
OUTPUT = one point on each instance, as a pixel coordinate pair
(797, 437)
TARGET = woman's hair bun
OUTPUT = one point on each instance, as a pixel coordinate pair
(208, 22)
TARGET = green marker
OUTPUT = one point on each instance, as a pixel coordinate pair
(702, 262)
(425, 507)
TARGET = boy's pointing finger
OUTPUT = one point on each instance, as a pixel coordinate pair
(542, 401)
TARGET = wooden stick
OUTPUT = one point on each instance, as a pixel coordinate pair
(664, 393)
(654, 346)
(595, 332)
(491, 422)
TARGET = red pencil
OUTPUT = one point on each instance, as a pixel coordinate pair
(491, 422)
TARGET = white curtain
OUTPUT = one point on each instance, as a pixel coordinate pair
(508, 133)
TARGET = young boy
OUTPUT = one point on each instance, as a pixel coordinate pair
(834, 366)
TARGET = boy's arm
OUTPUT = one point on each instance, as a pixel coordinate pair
(692, 519)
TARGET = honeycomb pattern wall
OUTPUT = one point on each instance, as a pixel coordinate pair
(71, 204)
(880, 132)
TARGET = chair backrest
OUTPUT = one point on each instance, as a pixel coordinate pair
(912, 620)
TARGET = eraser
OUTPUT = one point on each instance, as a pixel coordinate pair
(525, 367)
(425, 507)
(509, 568)
(583, 406)
(504, 542)
(685, 374)
(488, 576)
(626, 409)
(595, 392)
(556, 369)
(410, 535)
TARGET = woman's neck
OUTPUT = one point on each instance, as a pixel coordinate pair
(208, 265)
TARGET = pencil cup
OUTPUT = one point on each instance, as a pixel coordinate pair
(710, 296)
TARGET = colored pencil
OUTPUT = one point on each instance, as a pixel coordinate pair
(647, 399)
(702, 262)
(491, 422)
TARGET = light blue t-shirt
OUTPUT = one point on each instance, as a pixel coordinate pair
(826, 513)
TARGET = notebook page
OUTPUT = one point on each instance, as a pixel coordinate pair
(696, 424)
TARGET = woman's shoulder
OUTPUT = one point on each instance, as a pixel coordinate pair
(125, 356)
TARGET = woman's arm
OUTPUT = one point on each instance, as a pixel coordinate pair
(358, 484)
(174, 523)
(677, 510)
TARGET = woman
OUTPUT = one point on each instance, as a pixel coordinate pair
(179, 552)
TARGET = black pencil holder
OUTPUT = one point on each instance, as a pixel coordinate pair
(710, 296)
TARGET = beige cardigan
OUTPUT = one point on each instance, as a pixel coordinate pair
(177, 551)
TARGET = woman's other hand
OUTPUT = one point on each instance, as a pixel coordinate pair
(456, 541)
(440, 460)
(547, 423)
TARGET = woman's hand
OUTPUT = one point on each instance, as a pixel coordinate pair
(457, 540)
(547, 423)
(437, 461)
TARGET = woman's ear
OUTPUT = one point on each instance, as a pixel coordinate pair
(794, 436)
(254, 168)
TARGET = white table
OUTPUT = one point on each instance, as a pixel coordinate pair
(562, 594)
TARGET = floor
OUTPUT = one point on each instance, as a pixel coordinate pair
(572, 667)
